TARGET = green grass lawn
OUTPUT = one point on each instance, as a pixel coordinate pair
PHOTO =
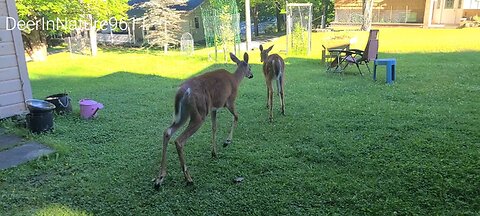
(348, 145)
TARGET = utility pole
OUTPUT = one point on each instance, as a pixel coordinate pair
(248, 25)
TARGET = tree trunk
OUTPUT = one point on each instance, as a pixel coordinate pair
(255, 19)
(277, 14)
(367, 15)
(35, 44)
(93, 40)
(324, 12)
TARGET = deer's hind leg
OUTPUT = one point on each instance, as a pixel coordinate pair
(270, 99)
(196, 121)
(167, 135)
(282, 93)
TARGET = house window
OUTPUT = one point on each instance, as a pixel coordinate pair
(460, 4)
(449, 4)
(438, 3)
(197, 24)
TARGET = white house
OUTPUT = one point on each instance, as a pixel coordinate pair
(422, 12)
(191, 15)
(14, 82)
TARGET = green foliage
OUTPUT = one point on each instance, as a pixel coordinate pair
(163, 22)
(105, 9)
(101, 10)
(317, 10)
(224, 6)
(476, 18)
(221, 25)
(299, 39)
(267, 7)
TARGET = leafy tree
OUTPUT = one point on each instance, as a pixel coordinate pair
(163, 21)
(48, 12)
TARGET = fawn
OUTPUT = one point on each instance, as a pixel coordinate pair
(273, 68)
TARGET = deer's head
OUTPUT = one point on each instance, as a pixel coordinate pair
(264, 53)
(242, 66)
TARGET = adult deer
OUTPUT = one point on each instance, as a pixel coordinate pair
(197, 97)
(273, 68)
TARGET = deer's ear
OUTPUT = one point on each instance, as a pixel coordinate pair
(269, 49)
(234, 58)
(261, 48)
(245, 58)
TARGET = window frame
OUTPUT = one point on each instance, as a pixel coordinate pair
(449, 4)
(196, 22)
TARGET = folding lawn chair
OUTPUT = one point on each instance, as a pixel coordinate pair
(358, 57)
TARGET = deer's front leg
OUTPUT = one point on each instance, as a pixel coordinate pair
(268, 83)
(231, 108)
(214, 132)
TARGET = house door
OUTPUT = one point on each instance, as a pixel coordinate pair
(447, 11)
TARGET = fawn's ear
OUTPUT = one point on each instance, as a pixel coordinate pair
(245, 58)
(269, 49)
(261, 48)
(234, 58)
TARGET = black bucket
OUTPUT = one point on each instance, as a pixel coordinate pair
(61, 102)
(40, 118)
(40, 122)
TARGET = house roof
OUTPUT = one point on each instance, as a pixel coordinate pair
(190, 4)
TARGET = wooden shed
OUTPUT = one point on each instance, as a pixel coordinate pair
(14, 82)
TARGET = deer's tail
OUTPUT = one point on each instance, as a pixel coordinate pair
(280, 75)
(181, 106)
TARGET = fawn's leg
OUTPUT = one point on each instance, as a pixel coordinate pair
(268, 83)
(282, 94)
(270, 100)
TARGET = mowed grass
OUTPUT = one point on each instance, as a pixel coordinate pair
(347, 146)
(408, 40)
